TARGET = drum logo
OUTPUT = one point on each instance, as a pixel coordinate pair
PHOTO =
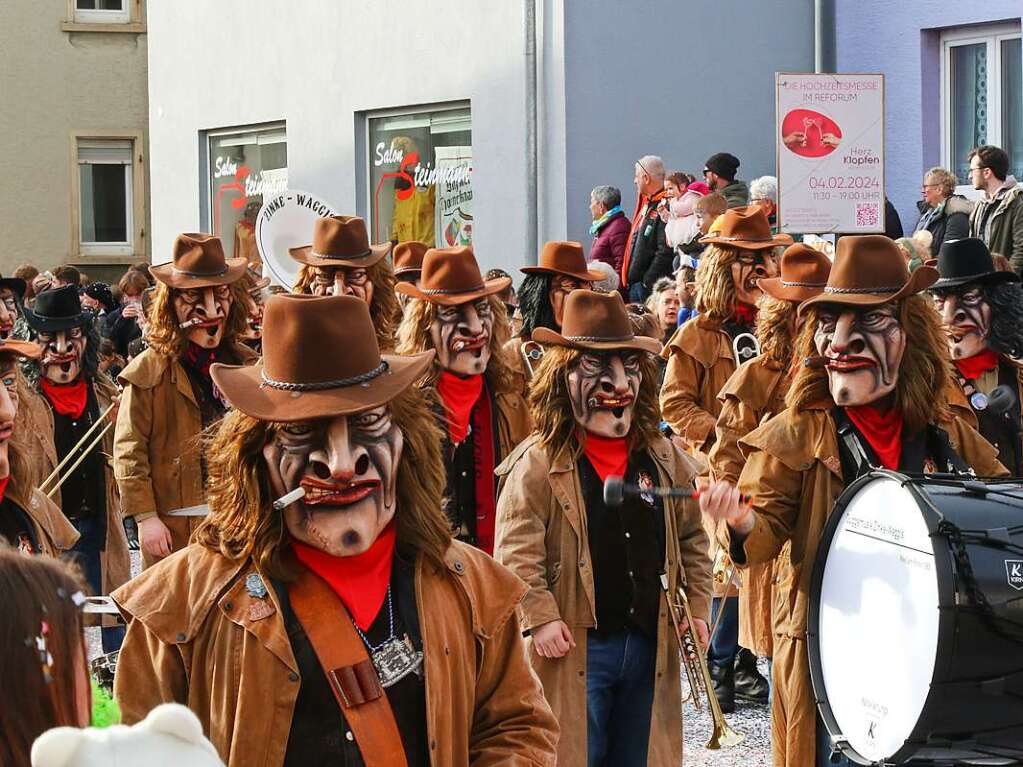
(1014, 573)
(646, 486)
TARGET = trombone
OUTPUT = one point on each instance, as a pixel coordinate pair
(50, 480)
(695, 663)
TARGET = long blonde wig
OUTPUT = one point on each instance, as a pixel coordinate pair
(551, 405)
(715, 288)
(924, 375)
(242, 522)
(776, 322)
(166, 338)
(383, 307)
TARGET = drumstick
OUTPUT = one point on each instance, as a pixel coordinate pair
(77, 445)
(82, 457)
(616, 490)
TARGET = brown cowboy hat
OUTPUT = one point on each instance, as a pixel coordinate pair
(408, 257)
(747, 229)
(565, 258)
(340, 241)
(291, 384)
(450, 277)
(870, 270)
(29, 349)
(804, 273)
(199, 263)
(597, 322)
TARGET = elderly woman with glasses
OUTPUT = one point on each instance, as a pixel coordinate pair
(943, 213)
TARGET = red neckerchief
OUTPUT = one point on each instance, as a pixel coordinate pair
(745, 314)
(199, 358)
(3, 486)
(67, 399)
(485, 461)
(882, 430)
(609, 456)
(974, 367)
(360, 581)
(458, 395)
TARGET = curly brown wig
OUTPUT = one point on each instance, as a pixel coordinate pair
(924, 375)
(241, 522)
(551, 405)
(166, 338)
(715, 288)
(776, 323)
(414, 336)
(383, 308)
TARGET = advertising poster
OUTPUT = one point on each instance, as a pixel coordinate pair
(454, 196)
(830, 147)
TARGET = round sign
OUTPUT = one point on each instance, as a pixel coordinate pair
(286, 221)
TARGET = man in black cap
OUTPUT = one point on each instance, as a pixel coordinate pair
(719, 173)
(12, 297)
(982, 311)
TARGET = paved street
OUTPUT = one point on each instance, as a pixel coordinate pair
(752, 720)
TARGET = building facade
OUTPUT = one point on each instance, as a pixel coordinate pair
(952, 82)
(452, 122)
(74, 126)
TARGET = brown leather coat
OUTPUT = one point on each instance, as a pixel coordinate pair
(520, 372)
(157, 443)
(193, 639)
(541, 536)
(754, 393)
(794, 475)
(53, 532)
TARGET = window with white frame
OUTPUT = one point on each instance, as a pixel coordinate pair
(102, 11)
(982, 95)
(106, 196)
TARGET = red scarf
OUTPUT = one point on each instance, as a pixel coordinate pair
(609, 456)
(882, 430)
(67, 399)
(459, 395)
(485, 460)
(972, 368)
(745, 314)
(3, 486)
(360, 581)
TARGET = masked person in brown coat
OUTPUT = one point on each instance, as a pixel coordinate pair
(341, 262)
(408, 267)
(754, 394)
(198, 317)
(600, 636)
(481, 417)
(542, 295)
(339, 624)
(876, 355)
(79, 397)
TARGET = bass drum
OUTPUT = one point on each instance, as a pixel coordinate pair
(915, 632)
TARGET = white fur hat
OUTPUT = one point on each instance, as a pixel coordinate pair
(169, 736)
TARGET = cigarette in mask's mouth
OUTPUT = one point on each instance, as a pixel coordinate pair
(288, 498)
(190, 323)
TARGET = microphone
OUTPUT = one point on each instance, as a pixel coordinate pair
(616, 490)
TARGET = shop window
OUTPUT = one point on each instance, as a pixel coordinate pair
(420, 169)
(102, 11)
(245, 166)
(982, 95)
(107, 192)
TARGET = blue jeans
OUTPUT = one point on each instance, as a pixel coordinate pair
(619, 698)
(638, 293)
(725, 643)
(86, 556)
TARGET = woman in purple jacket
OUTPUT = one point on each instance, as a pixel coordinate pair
(610, 228)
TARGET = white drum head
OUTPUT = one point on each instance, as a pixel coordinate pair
(878, 625)
(286, 221)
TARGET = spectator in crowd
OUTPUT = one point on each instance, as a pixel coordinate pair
(763, 191)
(997, 218)
(685, 287)
(678, 210)
(610, 227)
(122, 324)
(943, 213)
(664, 304)
(66, 275)
(98, 297)
(610, 281)
(707, 210)
(647, 255)
(719, 172)
(42, 281)
(143, 268)
(110, 362)
(28, 273)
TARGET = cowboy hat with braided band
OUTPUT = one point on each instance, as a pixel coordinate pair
(804, 274)
(408, 257)
(565, 258)
(450, 277)
(199, 263)
(340, 241)
(745, 228)
(596, 322)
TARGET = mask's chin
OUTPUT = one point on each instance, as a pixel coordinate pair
(341, 529)
(207, 337)
(854, 389)
(469, 362)
(612, 422)
(62, 372)
(968, 346)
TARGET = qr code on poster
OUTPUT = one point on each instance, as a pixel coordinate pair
(866, 215)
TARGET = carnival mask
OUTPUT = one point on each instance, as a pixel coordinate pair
(203, 312)
(9, 312)
(348, 467)
(862, 351)
(966, 315)
(561, 286)
(8, 407)
(749, 267)
(461, 335)
(342, 281)
(603, 387)
(63, 351)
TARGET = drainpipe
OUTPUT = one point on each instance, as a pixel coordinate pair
(823, 36)
(532, 164)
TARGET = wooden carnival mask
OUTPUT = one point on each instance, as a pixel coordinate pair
(561, 286)
(862, 350)
(461, 335)
(748, 268)
(342, 281)
(603, 387)
(202, 313)
(966, 315)
(9, 312)
(63, 352)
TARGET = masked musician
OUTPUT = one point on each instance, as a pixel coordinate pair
(875, 357)
(542, 295)
(29, 521)
(341, 262)
(408, 266)
(343, 627)
(257, 291)
(481, 416)
(982, 309)
(600, 636)
(77, 398)
(198, 317)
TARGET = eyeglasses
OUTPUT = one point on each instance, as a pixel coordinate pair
(643, 168)
(979, 167)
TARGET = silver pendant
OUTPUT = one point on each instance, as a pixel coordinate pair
(395, 659)
(978, 400)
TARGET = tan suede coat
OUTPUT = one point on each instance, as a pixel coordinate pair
(53, 532)
(541, 536)
(193, 640)
(794, 475)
